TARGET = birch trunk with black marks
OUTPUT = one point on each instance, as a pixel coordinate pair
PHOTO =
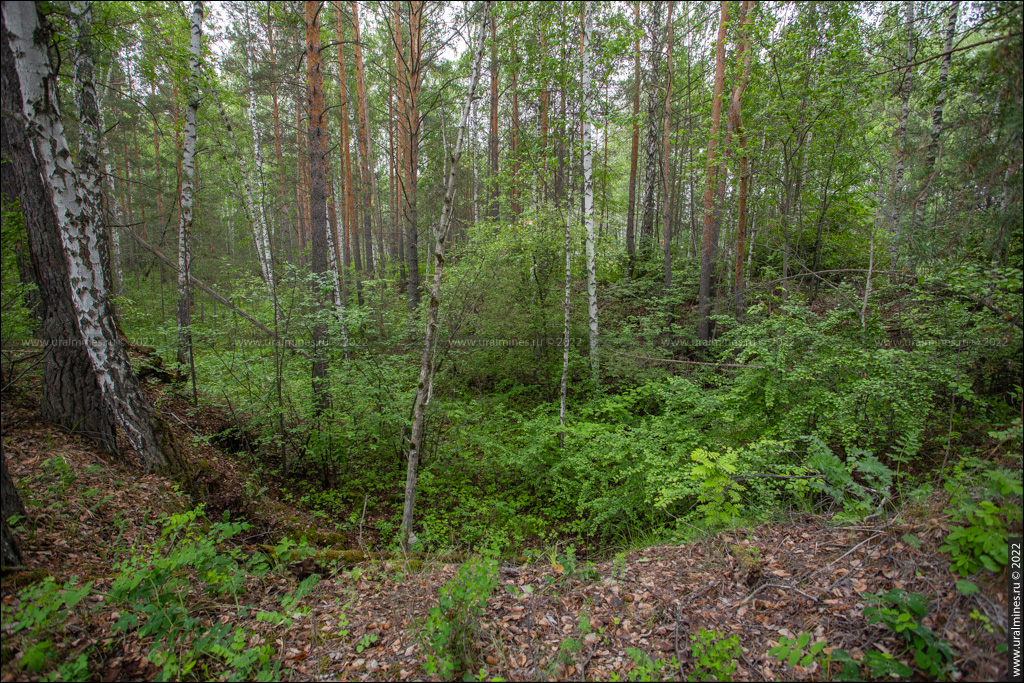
(188, 179)
(71, 396)
(89, 117)
(261, 231)
(76, 205)
(441, 230)
(633, 151)
(588, 194)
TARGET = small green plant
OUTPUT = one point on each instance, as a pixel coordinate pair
(715, 657)
(721, 498)
(619, 566)
(366, 641)
(901, 612)
(984, 518)
(450, 628)
(647, 668)
(792, 650)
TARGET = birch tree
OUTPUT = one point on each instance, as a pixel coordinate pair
(71, 396)
(634, 149)
(261, 231)
(188, 178)
(76, 204)
(441, 231)
(588, 192)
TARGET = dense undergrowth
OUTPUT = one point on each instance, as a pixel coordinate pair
(807, 405)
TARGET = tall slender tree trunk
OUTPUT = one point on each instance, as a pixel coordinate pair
(441, 231)
(666, 224)
(932, 153)
(545, 106)
(188, 179)
(634, 149)
(707, 256)
(349, 245)
(76, 203)
(318, 171)
(898, 175)
(278, 152)
(588, 193)
(369, 185)
(514, 184)
(261, 230)
(493, 187)
(736, 112)
(652, 148)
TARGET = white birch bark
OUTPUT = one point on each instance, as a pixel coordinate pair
(188, 179)
(441, 230)
(260, 231)
(588, 192)
(254, 207)
(113, 203)
(564, 386)
(89, 118)
(76, 203)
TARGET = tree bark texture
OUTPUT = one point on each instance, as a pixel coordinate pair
(707, 255)
(77, 207)
(317, 136)
(441, 231)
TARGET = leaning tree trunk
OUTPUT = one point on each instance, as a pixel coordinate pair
(76, 204)
(707, 255)
(441, 229)
(188, 179)
(10, 553)
(72, 397)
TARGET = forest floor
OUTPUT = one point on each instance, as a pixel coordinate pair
(577, 622)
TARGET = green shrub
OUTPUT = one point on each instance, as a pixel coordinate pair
(450, 628)
(984, 514)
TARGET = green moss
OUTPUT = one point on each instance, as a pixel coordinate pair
(23, 578)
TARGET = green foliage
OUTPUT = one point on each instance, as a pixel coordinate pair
(450, 628)
(39, 620)
(720, 497)
(984, 513)
(16, 319)
(647, 668)
(901, 612)
(153, 588)
(795, 651)
(715, 656)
